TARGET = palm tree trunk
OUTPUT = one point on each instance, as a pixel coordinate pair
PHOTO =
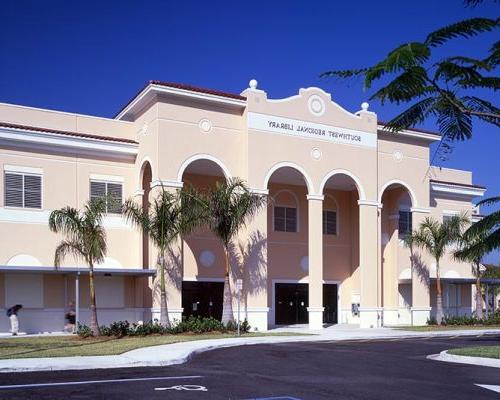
(163, 293)
(439, 297)
(94, 326)
(227, 307)
(479, 295)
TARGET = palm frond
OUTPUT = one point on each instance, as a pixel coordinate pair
(400, 59)
(452, 121)
(489, 201)
(405, 87)
(414, 115)
(135, 215)
(69, 247)
(465, 29)
(66, 220)
(343, 74)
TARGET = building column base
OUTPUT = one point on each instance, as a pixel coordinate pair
(420, 315)
(370, 317)
(257, 318)
(315, 317)
(174, 315)
(390, 316)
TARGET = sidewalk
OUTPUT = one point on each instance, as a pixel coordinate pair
(178, 353)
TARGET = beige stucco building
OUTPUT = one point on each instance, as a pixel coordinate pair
(341, 193)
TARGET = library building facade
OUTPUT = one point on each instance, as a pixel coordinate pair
(341, 194)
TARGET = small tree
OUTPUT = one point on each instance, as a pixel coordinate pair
(228, 207)
(85, 238)
(435, 237)
(476, 242)
(169, 216)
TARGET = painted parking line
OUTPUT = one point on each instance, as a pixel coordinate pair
(494, 388)
(275, 398)
(157, 378)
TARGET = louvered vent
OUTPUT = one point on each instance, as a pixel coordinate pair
(111, 191)
(23, 190)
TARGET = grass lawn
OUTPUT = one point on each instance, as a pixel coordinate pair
(66, 346)
(432, 328)
(479, 351)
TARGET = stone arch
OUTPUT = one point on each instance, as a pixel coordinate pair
(203, 156)
(285, 164)
(411, 192)
(24, 260)
(144, 163)
(357, 181)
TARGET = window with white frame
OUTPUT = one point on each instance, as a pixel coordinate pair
(329, 222)
(285, 219)
(23, 190)
(405, 224)
(111, 191)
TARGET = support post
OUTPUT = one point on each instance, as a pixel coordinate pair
(315, 253)
(370, 311)
(77, 300)
(420, 280)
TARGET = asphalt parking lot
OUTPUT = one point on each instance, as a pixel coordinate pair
(381, 369)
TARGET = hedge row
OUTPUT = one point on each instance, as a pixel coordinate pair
(493, 319)
(190, 324)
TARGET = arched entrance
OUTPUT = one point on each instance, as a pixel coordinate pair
(202, 253)
(288, 251)
(341, 261)
(397, 200)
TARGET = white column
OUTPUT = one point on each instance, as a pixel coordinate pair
(254, 295)
(370, 311)
(315, 253)
(420, 281)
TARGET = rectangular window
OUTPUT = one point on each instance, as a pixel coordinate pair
(113, 192)
(23, 190)
(285, 219)
(405, 225)
(329, 222)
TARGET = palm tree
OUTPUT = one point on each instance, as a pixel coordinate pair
(435, 237)
(228, 207)
(169, 216)
(476, 242)
(85, 238)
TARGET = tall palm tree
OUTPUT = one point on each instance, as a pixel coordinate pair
(228, 208)
(85, 238)
(170, 215)
(435, 237)
(476, 242)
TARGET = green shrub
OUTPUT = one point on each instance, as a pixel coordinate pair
(191, 324)
(467, 320)
(83, 331)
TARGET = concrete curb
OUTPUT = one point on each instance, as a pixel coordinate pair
(178, 353)
(453, 358)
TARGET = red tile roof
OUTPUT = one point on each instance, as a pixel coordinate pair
(457, 184)
(198, 89)
(66, 133)
(182, 86)
(415, 129)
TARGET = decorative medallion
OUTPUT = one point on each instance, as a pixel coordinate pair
(316, 105)
(304, 263)
(207, 258)
(205, 125)
(397, 155)
(316, 153)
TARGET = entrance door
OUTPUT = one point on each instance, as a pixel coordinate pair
(202, 299)
(291, 300)
(330, 303)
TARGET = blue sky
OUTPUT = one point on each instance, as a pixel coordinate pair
(92, 57)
